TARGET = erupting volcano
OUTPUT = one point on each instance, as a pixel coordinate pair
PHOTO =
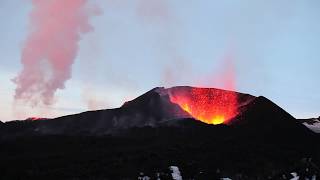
(162, 126)
(208, 105)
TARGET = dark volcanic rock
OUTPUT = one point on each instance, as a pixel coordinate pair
(146, 110)
(262, 115)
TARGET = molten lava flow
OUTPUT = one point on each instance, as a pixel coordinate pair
(211, 106)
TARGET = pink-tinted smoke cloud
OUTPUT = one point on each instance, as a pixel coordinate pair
(51, 48)
(225, 74)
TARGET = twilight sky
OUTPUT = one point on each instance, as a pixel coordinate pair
(135, 45)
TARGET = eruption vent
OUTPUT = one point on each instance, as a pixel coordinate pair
(212, 106)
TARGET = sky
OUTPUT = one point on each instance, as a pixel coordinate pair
(132, 46)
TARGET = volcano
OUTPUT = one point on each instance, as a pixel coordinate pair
(157, 107)
(205, 133)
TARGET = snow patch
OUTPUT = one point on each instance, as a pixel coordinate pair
(315, 126)
(143, 177)
(176, 175)
(295, 176)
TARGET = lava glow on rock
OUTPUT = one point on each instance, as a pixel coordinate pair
(208, 105)
(35, 118)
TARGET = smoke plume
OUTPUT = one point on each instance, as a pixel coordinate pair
(226, 78)
(225, 74)
(51, 48)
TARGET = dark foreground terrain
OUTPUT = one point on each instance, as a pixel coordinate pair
(263, 142)
(199, 152)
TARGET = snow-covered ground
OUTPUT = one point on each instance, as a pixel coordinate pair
(176, 175)
(314, 126)
(143, 177)
(295, 176)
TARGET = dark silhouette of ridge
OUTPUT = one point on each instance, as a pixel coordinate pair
(150, 109)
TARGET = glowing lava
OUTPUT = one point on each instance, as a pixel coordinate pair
(211, 106)
(35, 118)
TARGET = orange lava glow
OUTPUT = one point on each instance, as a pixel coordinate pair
(211, 106)
(35, 118)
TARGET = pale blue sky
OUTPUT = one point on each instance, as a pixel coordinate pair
(275, 45)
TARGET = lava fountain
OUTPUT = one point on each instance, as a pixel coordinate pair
(209, 105)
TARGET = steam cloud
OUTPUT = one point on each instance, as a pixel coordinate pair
(226, 78)
(222, 75)
(51, 48)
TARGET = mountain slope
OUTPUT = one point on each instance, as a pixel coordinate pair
(262, 115)
(150, 109)
(147, 109)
